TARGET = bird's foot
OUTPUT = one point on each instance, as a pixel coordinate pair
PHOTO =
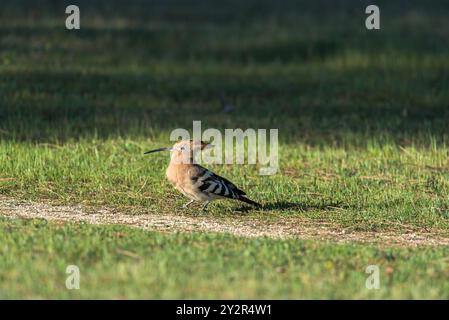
(187, 204)
(205, 207)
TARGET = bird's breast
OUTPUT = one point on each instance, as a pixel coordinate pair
(171, 174)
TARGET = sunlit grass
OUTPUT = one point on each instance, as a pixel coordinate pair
(377, 187)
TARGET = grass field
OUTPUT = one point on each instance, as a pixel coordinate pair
(118, 262)
(364, 143)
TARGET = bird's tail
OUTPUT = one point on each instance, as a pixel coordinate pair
(249, 201)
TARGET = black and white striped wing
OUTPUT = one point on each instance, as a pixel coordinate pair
(209, 182)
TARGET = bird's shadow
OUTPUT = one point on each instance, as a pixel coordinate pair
(284, 205)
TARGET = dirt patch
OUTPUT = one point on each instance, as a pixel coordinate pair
(239, 226)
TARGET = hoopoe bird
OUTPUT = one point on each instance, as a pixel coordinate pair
(196, 182)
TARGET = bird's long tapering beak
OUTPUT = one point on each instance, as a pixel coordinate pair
(157, 150)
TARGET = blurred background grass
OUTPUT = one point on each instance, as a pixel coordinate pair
(142, 68)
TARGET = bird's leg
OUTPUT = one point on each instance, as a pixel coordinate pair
(205, 206)
(187, 204)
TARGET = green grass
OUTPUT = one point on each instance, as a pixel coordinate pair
(120, 262)
(362, 117)
(379, 188)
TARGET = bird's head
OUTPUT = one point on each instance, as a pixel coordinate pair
(184, 151)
